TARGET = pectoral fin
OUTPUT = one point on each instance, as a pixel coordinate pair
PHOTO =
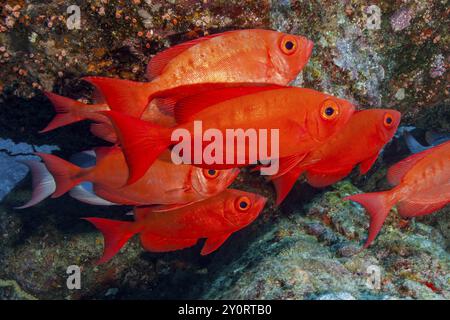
(287, 164)
(170, 207)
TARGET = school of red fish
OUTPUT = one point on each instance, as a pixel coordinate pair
(232, 80)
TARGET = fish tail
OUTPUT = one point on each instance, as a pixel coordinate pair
(125, 96)
(115, 234)
(43, 183)
(66, 174)
(378, 205)
(142, 142)
(68, 111)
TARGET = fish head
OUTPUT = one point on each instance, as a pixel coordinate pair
(288, 54)
(209, 182)
(327, 114)
(242, 208)
(388, 121)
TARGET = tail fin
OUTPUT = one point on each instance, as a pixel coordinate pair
(142, 142)
(125, 96)
(115, 234)
(43, 183)
(66, 111)
(66, 174)
(378, 205)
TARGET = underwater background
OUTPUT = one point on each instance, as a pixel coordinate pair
(396, 56)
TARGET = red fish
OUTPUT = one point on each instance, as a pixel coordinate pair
(422, 186)
(261, 56)
(305, 119)
(163, 184)
(214, 219)
(359, 142)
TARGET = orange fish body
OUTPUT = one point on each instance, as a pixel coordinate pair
(422, 186)
(359, 142)
(214, 219)
(304, 119)
(261, 56)
(163, 184)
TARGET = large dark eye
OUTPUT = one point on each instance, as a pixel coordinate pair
(388, 120)
(288, 45)
(330, 110)
(210, 173)
(243, 203)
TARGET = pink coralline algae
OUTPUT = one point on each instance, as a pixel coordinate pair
(402, 19)
(437, 66)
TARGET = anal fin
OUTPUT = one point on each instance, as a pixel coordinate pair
(321, 179)
(415, 208)
(155, 243)
(214, 243)
(284, 184)
(365, 165)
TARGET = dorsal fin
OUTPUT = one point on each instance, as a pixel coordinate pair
(186, 108)
(159, 62)
(396, 173)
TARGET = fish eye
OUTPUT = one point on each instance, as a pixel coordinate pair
(243, 204)
(288, 45)
(210, 173)
(330, 110)
(388, 120)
